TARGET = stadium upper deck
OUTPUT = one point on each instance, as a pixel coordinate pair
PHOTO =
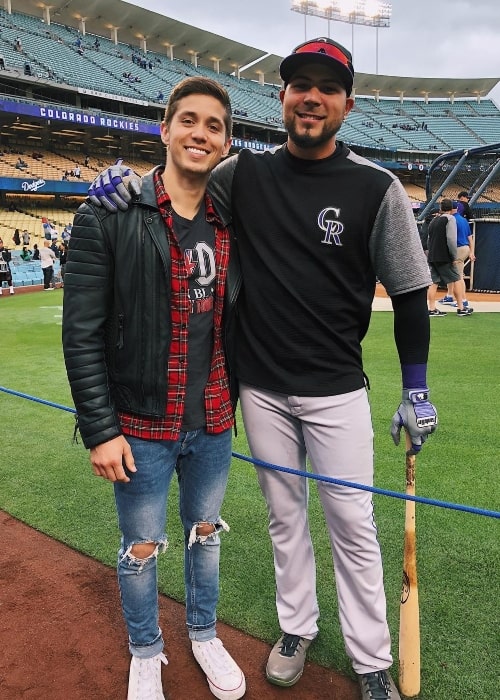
(71, 66)
(76, 88)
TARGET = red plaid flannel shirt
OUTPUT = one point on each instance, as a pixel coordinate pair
(218, 410)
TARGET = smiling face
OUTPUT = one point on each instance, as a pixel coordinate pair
(196, 136)
(314, 106)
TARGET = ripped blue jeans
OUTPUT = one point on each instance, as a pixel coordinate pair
(201, 461)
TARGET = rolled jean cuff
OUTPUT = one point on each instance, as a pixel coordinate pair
(205, 634)
(147, 651)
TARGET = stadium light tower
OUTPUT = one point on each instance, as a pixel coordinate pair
(371, 13)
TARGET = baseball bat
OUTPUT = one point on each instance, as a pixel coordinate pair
(409, 616)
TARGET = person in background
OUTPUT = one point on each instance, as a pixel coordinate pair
(63, 259)
(442, 257)
(146, 297)
(36, 252)
(463, 206)
(310, 247)
(47, 229)
(47, 260)
(26, 254)
(55, 247)
(16, 238)
(5, 271)
(465, 252)
(66, 232)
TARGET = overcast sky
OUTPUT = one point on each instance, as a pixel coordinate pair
(427, 38)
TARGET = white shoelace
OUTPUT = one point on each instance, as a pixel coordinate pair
(149, 686)
(216, 657)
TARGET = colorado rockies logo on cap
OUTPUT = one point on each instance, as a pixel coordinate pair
(328, 221)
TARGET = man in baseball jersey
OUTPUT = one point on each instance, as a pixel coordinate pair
(316, 226)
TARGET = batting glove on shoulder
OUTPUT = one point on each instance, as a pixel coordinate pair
(417, 415)
(114, 188)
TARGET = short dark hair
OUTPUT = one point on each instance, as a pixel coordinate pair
(446, 204)
(463, 194)
(200, 86)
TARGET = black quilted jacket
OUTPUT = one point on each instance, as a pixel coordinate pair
(116, 336)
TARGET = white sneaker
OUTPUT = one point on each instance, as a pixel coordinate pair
(225, 678)
(144, 680)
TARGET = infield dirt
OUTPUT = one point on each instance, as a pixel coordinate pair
(62, 636)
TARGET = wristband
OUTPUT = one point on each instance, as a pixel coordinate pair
(414, 376)
(416, 395)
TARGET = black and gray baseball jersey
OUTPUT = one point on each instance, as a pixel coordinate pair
(331, 227)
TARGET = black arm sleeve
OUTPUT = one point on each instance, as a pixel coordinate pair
(411, 327)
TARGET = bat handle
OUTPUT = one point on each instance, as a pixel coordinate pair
(409, 445)
(409, 629)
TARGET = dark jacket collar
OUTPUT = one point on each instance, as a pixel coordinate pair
(148, 194)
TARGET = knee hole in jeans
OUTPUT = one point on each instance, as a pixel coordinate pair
(144, 550)
(205, 529)
(200, 532)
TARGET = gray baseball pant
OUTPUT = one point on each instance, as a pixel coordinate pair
(336, 434)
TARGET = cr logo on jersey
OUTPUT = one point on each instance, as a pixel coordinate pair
(329, 223)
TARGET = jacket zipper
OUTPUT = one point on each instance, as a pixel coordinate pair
(119, 342)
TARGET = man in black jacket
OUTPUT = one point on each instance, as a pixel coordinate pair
(143, 344)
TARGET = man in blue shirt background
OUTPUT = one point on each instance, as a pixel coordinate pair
(465, 250)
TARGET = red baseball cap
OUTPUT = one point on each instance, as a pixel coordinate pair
(320, 50)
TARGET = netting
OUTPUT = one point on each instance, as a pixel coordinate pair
(475, 170)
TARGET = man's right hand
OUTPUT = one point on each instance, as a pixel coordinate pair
(114, 187)
(111, 459)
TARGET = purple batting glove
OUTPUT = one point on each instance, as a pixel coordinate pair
(114, 187)
(417, 415)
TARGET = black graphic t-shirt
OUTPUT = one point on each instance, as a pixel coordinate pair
(197, 240)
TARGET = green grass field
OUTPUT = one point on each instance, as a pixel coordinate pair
(46, 481)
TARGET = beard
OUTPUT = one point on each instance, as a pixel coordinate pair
(308, 140)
